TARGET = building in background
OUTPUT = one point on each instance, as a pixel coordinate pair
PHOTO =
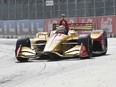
(37, 9)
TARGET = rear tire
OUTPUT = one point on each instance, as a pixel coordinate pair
(85, 39)
(106, 43)
(22, 42)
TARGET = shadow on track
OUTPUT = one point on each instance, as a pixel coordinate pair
(69, 58)
(47, 59)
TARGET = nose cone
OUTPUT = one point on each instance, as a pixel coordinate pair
(54, 42)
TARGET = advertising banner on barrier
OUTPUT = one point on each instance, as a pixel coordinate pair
(37, 26)
(13, 28)
(10, 28)
(89, 20)
(107, 23)
(50, 22)
(1, 29)
(23, 27)
(29, 27)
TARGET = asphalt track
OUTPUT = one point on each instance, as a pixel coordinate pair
(99, 71)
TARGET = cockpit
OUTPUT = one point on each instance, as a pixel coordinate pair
(61, 29)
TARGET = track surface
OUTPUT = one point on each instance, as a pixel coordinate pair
(99, 71)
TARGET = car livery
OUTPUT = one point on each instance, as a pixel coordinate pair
(58, 44)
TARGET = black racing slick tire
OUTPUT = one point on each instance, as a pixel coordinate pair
(85, 39)
(22, 42)
(105, 43)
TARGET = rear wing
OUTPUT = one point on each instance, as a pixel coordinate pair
(77, 26)
(81, 26)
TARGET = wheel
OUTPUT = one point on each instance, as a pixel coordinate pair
(105, 43)
(22, 42)
(85, 39)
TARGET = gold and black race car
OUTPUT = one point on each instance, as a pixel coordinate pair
(58, 44)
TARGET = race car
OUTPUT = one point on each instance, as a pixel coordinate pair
(81, 41)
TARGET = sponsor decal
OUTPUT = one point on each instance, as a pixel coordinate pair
(24, 28)
(50, 24)
(32, 27)
(11, 29)
(39, 28)
(71, 21)
(87, 21)
(18, 28)
(106, 24)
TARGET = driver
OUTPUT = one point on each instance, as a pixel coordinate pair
(64, 22)
(61, 29)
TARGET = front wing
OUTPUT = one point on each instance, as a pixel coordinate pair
(76, 51)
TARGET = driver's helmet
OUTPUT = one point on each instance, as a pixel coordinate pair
(61, 27)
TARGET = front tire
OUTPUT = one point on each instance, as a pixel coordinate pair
(22, 42)
(85, 39)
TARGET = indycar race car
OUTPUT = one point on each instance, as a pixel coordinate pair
(58, 44)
